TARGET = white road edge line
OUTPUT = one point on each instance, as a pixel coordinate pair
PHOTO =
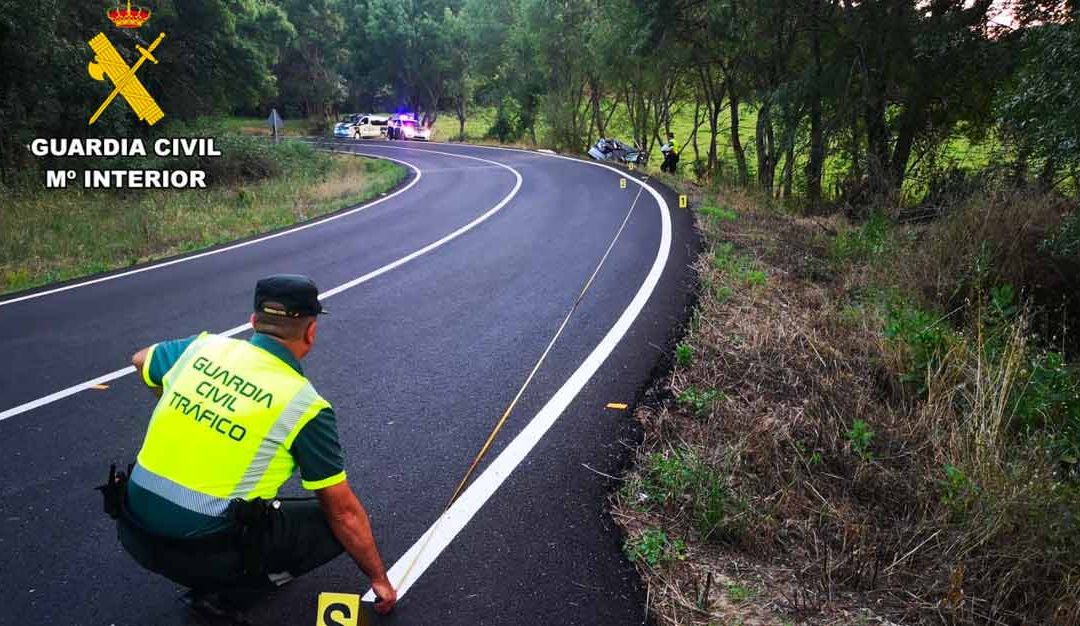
(242, 244)
(63, 393)
(450, 523)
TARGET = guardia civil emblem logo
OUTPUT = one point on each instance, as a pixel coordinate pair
(108, 63)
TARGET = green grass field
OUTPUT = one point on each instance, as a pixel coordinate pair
(476, 125)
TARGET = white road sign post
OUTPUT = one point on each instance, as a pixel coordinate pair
(276, 123)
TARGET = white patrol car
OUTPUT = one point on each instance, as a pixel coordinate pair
(361, 127)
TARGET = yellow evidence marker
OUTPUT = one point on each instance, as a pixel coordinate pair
(339, 609)
(622, 183)
(682, 202)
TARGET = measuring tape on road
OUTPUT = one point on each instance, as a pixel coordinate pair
(463, 483)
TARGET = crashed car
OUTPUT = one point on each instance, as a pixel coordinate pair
(615, 150)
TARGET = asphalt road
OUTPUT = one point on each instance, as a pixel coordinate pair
(451, 289)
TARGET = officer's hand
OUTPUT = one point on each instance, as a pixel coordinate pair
(386, 595)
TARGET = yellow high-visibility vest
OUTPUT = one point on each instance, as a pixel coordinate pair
(228, 414)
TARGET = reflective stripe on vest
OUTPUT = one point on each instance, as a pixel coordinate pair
(228, 414)
(179, 494)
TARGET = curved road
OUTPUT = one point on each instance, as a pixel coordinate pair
(442, 296)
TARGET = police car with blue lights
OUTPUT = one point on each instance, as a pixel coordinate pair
(405, 126)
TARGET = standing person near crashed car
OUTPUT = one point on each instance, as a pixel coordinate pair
(234, 421)
(671, 155)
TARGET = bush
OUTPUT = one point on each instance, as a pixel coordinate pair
(244, 159)
(1004, 415)
(684, 354)
(700, 167)
(250, 159)
(508, 125)
(701, 401)
(860, 437)
(1066, 241)
(1048, 402)
(1001, 239)
(722, 214)
(737, 266)
(654, 548)
(684, 484)
(953, 185)
(863, 243)
(957, 490)
(923, 338)
(565, 128)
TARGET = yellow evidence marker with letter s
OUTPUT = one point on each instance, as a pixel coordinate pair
(339, 609)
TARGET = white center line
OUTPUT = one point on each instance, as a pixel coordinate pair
(64, 393)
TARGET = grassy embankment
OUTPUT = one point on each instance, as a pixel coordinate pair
(866, 422)
(254, 187)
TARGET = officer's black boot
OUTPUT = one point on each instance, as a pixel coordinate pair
(215, 609)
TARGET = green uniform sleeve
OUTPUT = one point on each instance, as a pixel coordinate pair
(161, 358)
(317, 451)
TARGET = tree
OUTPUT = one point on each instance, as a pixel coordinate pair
(311, 83)
(1039, 108)
(461, 84)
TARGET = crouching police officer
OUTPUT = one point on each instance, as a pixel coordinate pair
(234, 420)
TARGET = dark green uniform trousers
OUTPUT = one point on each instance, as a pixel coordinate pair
(296, 540)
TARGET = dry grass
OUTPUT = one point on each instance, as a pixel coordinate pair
(842, 523)
(995, 238)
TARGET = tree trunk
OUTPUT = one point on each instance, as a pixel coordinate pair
(763, 138)
(594, 98)
(697, 124)
(905, 139)
(736, 142)
(877, 145)
(713, 100)
(856, 147)
(815, 165)
(714, 130)
(1019, 169)
(1046, 176)
(789, 167)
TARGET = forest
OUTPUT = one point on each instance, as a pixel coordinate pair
(843, 101)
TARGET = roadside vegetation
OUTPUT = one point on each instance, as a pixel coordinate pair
(867, 421)
(253, 188)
